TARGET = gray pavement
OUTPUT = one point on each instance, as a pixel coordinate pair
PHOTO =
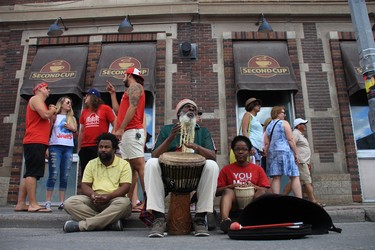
(364, 212)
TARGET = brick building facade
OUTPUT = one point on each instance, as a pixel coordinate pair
(312, 35)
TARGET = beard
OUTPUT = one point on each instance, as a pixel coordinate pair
(104, 157)
(188, 119)
(126, 83)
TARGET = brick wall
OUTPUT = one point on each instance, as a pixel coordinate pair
(344, 107)
(319, 95)
(10, 61)
(196, 79)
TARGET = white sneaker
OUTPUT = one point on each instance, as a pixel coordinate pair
(48, 205)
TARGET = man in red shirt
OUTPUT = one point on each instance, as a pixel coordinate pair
(241, 173)
(129, 128)
(35, 144)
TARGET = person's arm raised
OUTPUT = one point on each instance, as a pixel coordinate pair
(112, 92)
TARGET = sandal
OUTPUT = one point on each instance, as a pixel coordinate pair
(321, 204)
(225, 225)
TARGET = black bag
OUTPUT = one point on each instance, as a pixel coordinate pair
(276, 209)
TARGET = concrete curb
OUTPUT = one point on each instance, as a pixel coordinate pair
(342, 214)
(56, 219)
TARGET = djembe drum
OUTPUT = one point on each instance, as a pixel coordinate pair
(181, 173)
(244, 196)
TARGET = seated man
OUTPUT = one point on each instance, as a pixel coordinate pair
(241, 173)
(168, 141)
(105, 182)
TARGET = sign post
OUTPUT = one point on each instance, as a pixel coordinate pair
(366, 51)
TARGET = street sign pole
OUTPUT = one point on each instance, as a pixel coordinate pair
(366, 51)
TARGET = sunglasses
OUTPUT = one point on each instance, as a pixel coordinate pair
(67, 102)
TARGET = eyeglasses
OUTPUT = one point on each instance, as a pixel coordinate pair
(240, 149)
(283, 112)
(68, 102)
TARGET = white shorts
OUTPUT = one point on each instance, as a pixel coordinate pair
(130, 146)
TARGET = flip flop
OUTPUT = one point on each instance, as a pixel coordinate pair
(21, 210)
(321, 204)
(40, 210)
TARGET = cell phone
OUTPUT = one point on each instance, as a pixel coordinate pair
(137, 136)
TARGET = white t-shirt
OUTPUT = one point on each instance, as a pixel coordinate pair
(61, 135)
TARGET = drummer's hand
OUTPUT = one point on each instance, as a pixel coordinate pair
(192, 146)
(250, 184)
(175, 130)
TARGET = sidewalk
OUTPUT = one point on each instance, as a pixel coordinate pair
(10, 219)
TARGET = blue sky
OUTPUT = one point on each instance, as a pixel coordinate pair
(360, 121)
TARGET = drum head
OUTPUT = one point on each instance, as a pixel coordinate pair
(182, 159)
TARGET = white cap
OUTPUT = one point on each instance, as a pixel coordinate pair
(299, 121)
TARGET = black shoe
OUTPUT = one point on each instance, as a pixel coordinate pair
(225, 225)
(200, 227)
(71, 226)
(115, 226)
(61, 207)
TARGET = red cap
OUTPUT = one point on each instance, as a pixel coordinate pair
(134, 71)
(39, 86)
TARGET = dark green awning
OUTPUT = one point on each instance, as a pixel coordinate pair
(117, 58)
(263, 66)
(62, 67)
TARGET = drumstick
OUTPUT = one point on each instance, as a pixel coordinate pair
(238, 226)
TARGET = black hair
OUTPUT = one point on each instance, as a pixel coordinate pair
(110, 137)
(138, 79)
(241, 138)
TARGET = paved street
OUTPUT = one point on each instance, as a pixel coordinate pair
(44, 231)
(354, 236)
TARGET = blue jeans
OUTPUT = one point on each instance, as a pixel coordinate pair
(60, 158)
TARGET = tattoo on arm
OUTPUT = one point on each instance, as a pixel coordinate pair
(135, 92)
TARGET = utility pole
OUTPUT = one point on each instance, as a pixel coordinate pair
(366, 51)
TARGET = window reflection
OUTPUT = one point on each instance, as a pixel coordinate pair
(364, 137)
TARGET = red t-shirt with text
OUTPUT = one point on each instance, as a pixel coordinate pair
(95, 124)
(234, 174)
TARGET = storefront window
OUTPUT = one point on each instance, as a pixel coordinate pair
(364, 137)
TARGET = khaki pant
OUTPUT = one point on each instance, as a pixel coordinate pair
(205, 191)
(94, 217)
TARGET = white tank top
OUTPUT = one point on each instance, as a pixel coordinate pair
(61, 135)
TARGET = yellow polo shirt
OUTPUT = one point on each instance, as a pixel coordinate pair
(105, 179)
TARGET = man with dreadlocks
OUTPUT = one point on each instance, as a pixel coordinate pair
(184, 136)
